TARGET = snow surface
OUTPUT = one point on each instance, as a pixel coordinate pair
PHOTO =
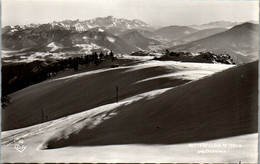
(87, 48)
(179, 65)
(79, 27)
(35, 137)
(14, 30)
(141, 58)
(6, 54)
(195, 54)
(180, 70)
(100, 30)
(186, 32)
(111, 39)
(53, 46)
(185, 75)
(83, 74)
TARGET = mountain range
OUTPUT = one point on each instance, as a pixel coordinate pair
(202, 34)
(217, 24)
(110, 23)
(125, 36)
(240, 42)
(55, 38)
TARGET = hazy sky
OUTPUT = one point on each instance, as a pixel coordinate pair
(154, 12)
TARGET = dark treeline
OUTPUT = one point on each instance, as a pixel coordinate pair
(19, 76)
(200, 57)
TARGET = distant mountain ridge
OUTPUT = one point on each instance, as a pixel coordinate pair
(216, 24)
(203, 34)
(240, 42)
(48, 38)
(139, 41)
(63, 35)
(173, 32)
(108, 22)
(125, 36)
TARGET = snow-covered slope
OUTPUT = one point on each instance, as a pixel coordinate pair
(22, 101)
(158, 120)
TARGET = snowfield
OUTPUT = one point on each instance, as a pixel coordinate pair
(54, 46)
(111, 39)
(166, 112)
(87, 48)
(34, 137)
(186, 71)
(100, 30)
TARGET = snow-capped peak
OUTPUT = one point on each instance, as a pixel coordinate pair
(107, 22)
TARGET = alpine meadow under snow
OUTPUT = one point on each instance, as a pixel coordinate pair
(113, 89)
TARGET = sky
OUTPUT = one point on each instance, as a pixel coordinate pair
(153, 12)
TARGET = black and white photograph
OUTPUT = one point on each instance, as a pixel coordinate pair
(129, 81)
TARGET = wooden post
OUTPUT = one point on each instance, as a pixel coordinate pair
(117, 94)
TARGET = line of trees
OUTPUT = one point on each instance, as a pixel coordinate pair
(200, 57)
(18, 76)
